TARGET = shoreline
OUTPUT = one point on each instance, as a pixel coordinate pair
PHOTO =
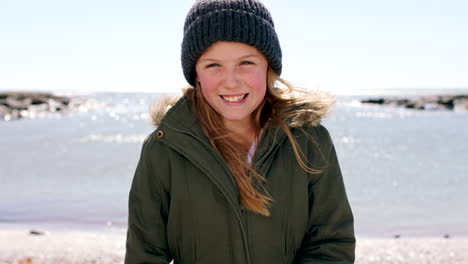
(83, 247)
(112, 229)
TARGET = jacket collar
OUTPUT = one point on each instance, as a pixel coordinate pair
(176, 113)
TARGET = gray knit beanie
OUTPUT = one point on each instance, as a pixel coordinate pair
(247, 21)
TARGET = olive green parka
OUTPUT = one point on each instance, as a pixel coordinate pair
(184, 202)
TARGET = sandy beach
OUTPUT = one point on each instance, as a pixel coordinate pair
(20, 247)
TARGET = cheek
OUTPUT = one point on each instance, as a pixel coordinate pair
(257, 81)
(208, 85)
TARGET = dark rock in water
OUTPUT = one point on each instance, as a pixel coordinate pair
(36, 232)
(447, 236)
(17, 105)
(374, 101)
(400, 102)
(397, 236)
(441, 102)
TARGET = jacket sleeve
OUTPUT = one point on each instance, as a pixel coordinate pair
(148, 209)
(330, 234)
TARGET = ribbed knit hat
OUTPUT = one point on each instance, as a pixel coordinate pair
(210, 21)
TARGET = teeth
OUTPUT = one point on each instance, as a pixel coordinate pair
(233, 98)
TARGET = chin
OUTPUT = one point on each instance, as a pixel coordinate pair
(235, 118)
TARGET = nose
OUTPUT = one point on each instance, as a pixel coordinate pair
(231, 79)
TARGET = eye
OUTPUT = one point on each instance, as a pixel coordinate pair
(246, 63)
(212, 65)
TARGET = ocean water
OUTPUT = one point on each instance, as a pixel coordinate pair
(406, 171)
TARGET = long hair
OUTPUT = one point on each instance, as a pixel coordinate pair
(277, 106)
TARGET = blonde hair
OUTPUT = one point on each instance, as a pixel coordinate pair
(277, 106)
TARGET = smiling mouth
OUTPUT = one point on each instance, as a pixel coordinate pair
(234, 98)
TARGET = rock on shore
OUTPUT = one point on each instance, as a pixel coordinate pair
(16, 105)
(440, 102)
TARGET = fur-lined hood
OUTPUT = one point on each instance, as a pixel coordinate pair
(312, 108)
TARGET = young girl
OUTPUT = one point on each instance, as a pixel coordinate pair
(238, 170)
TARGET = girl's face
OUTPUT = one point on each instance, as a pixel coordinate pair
(233, 76)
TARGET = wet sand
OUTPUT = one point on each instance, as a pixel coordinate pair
(20, 247)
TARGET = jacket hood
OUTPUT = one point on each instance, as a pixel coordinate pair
(160, 107)
(311, 108)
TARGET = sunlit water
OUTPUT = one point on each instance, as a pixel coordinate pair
(406, 171)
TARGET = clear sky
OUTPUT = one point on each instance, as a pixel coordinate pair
(104, 45)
